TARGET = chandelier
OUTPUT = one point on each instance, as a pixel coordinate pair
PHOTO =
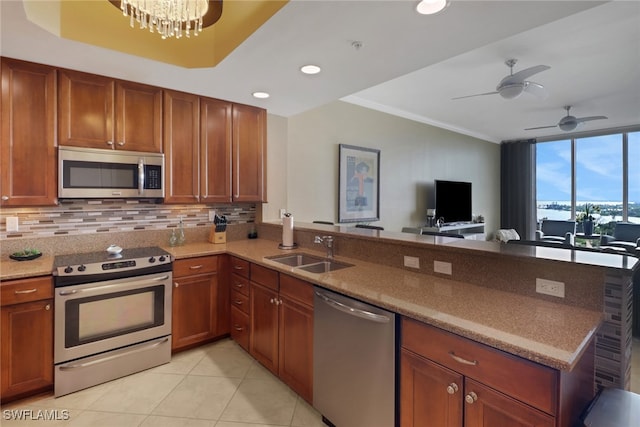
(171, 18)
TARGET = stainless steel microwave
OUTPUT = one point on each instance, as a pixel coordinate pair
(90, 173)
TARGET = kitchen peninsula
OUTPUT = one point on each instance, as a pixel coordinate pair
(489, 298)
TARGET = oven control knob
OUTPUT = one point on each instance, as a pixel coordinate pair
(162, 258)
(82, 267)
(152, 260)
(68, 270)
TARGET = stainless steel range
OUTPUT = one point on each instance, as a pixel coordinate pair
(112, 315)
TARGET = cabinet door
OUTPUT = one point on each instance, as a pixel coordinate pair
(28, 135)
(138, 117)
(181, 118)
(485, 407)
(263, 341)
(430, 394)
(194, 309)
(215, 151)
(295, 356)
(86, 109)
(249, 149)
(27, 348)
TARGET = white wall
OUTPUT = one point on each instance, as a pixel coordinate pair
(412, 156)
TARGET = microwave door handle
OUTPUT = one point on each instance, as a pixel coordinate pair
(140, 176)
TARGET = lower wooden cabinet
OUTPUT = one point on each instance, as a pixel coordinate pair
(450, 381)
(196, 301)
(26, 338)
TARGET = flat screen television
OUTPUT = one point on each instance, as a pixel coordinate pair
(453, 201)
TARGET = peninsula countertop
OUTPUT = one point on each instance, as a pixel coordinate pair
(549, 333)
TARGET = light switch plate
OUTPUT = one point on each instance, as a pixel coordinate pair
(411, 261)
(442, 267)
(212, 215)
(12, 223)
(550, 287)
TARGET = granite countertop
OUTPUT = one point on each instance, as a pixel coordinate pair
(549, 333)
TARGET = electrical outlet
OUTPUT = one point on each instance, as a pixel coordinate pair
(282, 212)
(411, 261)
(212, 215)
(442, 267)
(550, 287)
(12, 223)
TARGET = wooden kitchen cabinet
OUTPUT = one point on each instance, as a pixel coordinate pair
(459, 382)
(26, 337)
(28, 135)
(181, 147)
(240, 310)
(101, 112)
(264, 301)
(215, 151)
(249, 151)
(195, 302)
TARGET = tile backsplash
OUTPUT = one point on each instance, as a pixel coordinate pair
(76, 217)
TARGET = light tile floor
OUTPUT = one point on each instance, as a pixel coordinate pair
(217, 385)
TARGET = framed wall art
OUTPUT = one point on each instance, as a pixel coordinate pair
(359, 184)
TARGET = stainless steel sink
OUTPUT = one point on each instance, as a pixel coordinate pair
(309, 263)
(325, 266)
(296, 260)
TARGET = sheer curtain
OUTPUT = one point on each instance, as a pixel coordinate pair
(518, 187)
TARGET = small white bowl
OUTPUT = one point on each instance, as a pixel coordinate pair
(114, 249)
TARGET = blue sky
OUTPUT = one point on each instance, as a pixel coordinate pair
(598, 169)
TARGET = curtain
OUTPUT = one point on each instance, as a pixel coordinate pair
(518, 187)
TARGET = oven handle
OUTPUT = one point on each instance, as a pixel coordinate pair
(136, 349)
(116, 286)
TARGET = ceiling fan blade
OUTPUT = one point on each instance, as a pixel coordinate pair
(522, 75)
(542, 127)
(536, 90)
(478, 94)
(587, 119)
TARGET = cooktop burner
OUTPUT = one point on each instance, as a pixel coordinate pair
(103, 265)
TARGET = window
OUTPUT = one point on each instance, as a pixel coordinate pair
(602, 170)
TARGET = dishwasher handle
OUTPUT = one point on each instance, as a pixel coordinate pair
(367, 315)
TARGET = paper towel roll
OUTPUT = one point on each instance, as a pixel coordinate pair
(287, 230)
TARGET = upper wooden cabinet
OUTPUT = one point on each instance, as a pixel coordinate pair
(101, 112)
(28, 134)
(181, 147)
(249, 150)
(215, 151)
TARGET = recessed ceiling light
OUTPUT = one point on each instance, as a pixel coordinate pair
(429, 7)
(310, 69)
(261, 95)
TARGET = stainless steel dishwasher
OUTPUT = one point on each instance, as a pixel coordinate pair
(353, 362)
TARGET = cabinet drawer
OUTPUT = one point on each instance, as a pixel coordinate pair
(240, 267)
(25, 290)
(240, 301)
(264, 276)
(240, 284)
(198, 265)
(296, 289)
(524, 380)
(240, 327)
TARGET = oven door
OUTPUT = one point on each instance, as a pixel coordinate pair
(97, 317)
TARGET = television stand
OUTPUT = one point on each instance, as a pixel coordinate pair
(470, 230)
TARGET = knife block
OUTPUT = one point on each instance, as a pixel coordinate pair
(217, 236)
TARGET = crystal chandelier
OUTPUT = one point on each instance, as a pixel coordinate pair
(171, 18)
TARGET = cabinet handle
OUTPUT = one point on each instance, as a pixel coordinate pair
(272, 300)
(237, 267)
(110, 143)
(5, 197)
(195, 267)
(238, 328)
(176, 284)
(26, 291)
(452, 388)
(471, 397)
(239, 285)
(47, 307)
(461, 360)
(121, 143)
(237, 302)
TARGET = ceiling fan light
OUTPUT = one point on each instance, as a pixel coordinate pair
(511, 91)
(430, 7)
(568, 126)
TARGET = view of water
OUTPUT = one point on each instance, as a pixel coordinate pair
(562, 211)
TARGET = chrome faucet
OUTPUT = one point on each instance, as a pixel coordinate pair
(327, 241)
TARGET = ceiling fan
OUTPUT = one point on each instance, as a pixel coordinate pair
(514, 85)
(569, 122)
